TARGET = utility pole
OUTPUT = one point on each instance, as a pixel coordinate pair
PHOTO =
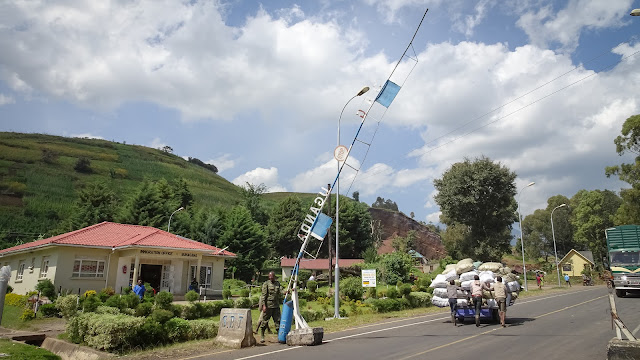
(329, 241)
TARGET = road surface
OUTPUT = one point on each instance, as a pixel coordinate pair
(565, 325)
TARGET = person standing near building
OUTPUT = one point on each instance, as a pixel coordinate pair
(270, 299)
(566, 278)
(139, 289)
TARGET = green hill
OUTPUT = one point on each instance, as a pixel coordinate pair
(39, 182)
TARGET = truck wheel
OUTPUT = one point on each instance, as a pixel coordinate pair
(621, 293)
(494, 315)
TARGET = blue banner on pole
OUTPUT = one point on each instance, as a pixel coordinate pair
(319, 230)
(388, 93)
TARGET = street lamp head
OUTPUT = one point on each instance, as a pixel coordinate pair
(180, 208)
(635, 12)
(531, 183)
(562, 205)
(364, 90)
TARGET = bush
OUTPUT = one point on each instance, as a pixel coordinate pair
(107, 310)
(83, 165)
(144, 309)
(91, 303)
(226, 293)
(89, 293)
(386, 305)
(27, 314)
(312, 285)
(151, 333)
(233, 284)
(161, 316)
(46, 288)
(164, 299)
(192, 296)
(126, 291)
(15, 300)
(112, 332)
(372, 293)
(67, 305)
(9, 289)
(202, 329)
(129, 301)
(48, 310)
(177, 329)
(396, 266)
(193, 311)
(177, 310)
(244, 292)
(351, 288)
(419, 299)
(115, 301)
(392, 293)
(405, 289)
(242, 303)
(127, 311)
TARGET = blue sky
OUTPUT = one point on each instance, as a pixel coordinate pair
(257, 88)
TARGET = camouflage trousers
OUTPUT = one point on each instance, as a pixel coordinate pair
(271, 313)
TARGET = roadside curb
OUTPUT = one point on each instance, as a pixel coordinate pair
(623, 349)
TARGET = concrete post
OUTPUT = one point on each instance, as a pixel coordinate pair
(5, 275)
(135, 271)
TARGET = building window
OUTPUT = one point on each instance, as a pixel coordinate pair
(566, 267)
(20, 272)
(44, 269)
(205, 275)
(88, 268)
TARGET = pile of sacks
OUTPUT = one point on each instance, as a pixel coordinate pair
(463, 274)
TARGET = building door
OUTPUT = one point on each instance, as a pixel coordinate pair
(151, 274)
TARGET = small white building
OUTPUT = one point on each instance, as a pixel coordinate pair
(116, 255)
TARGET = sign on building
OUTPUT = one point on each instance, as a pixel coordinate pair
(368, 277)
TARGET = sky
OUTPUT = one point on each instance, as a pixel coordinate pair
(258, 89)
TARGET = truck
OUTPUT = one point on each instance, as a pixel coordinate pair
(623, 246)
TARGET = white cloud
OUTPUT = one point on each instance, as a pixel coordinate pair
(6, 99)
(87, 136)
(467, 24)
(223, 162)
(156, 143)
(545, 27)
(268, 177)
(434, 217)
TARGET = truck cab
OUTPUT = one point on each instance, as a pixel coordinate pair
(623, 243)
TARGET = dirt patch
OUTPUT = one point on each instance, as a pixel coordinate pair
(8, 200)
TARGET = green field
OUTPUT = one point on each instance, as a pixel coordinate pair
(39, 186)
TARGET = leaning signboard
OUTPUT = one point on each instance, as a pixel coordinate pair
(368, 277)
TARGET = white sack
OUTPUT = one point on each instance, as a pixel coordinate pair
(513, 286)
(490, 266)
(452, 275)
(463, 303)
(464, 267)
(440, 302)
(440, 292)
(468, 275)
(487, 276)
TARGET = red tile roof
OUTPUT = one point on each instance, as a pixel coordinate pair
(317, 264)
(114, 235)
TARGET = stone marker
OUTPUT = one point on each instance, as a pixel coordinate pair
(235, 328)
(623, 349)
(309, 336)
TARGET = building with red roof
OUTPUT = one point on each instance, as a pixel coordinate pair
(116, 255)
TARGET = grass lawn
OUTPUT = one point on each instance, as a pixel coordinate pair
(18, 351)
(11, 320)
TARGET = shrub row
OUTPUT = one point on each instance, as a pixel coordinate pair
(118, 332)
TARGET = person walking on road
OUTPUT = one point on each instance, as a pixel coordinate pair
(452, 294)
(500, 294)
(270, 299)
(476, 296)
(539, 280)
(566, 278)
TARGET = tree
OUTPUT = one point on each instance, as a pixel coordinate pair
(404, 244)
(245, 238)
(252, 196)
(208, 226)
(283, 225)
(629, 141)
(388, 204)
(168, 149)
(355, 232)
(593, 213)
(147, 207)
(83, 165)
(479, 194)
(96, 203)
(356, 196)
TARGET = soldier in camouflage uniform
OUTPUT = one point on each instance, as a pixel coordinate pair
(270, 299)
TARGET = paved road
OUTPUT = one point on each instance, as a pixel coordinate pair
(568, 325)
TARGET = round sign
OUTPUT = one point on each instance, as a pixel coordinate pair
(340, 153)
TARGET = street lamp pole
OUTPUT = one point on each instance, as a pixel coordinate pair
(336, 313)
(524, 265)
(554, 242)
(169, 226)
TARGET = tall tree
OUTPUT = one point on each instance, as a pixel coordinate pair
(593, 213)
(629, 141)
(146, 207)
(355, 228)
(96, 203)
(283, 225)
(252, 200)
(480, 195)
(246, 239)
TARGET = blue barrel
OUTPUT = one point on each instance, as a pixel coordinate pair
(285, 321)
